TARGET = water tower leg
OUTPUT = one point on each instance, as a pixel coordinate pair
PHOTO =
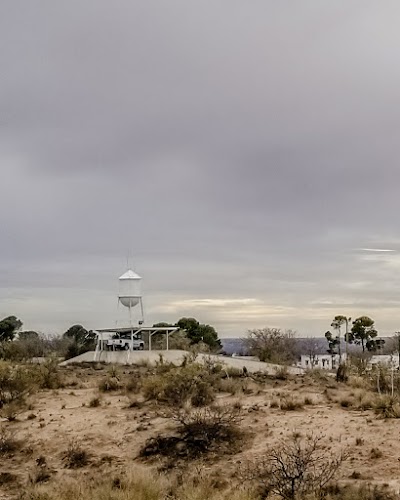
(141, 308)
(167, 341)
(149, 341)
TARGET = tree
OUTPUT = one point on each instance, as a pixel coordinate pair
(197, 332)
(364, 333)
(9, 327)
(333, 343)
(28, 335)
(337, 323)
(272, 344)
(311, 349)
(82, 340)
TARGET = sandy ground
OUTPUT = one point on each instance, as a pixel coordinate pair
(113, 433)
(176, 357)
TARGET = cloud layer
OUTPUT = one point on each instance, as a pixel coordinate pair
(246, 154)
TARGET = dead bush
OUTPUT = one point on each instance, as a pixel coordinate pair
(199, 432)
(387, 407)
(75, 456)
(8, 442)
(95, 402)
(296, 468)
(290, 403)
(15, 383)
(109, 384)
(359, 492)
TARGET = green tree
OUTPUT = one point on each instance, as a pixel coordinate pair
(9, 327)
(81, 339)
(333, 343)
(365, 334)
(197, 332)
(28, 335)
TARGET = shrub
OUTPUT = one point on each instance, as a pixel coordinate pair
(15, 383)
(289, 403)
(281, 373)
(232, 386)
(296, 468)
(360, 492)
(387, 407)
(191, 382)
(48, 375)
(376, 453)
(95, 402)
(8, 441)
(109, 384)
(75, 456)
(199, 432)
(138, 484)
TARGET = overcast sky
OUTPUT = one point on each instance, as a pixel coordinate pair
(247, 153)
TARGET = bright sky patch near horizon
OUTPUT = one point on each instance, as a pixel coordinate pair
(247, 153)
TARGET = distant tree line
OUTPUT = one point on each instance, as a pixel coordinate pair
(17, 344)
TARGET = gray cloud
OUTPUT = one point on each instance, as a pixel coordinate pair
(242, 152)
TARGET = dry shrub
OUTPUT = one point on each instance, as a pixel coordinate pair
(296, 468)
(95, 402)
(47, 375)
(16, 383)
(281, 373)
(8, 442)
(387, 407)
(359, 492)
(138, 484)
(41, 472)
(191, 382)
(213, 429)
(109, 384)
(376, 453)
(346, 402)
(232, 386)
(290, 403)
(357, 382)
(75, 456)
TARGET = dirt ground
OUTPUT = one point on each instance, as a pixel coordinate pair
(113, 432)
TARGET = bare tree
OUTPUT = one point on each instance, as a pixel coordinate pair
(297, 467)
(311, 350)
(272, 344)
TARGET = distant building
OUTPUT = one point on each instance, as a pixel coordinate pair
(322, 361)
(385, 359)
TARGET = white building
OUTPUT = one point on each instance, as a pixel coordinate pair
(390, 360)
(322, 361)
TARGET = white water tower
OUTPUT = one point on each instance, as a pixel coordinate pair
(130, 292)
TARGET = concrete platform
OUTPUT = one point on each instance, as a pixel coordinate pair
(176, 357)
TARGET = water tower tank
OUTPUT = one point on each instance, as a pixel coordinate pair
(130, 289)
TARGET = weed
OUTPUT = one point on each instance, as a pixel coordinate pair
(376, 453)
(289, 403)
(95, 402)
(109, 384)
(75, 456)
(199, 432)
(8, 442)
(387, 407)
